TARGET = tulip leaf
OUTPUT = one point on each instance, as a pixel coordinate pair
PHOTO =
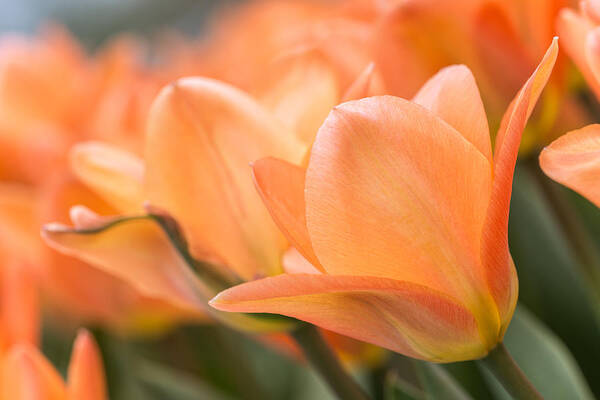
(550, 282)
(438, 383)
(397, 388)
(544, 358)
(177, 385)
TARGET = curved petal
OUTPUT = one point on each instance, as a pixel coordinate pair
(19, 305)
(137, 250)
(452, 95)
(403, 317)
(86, 373)
(495, 256)
(366, 84)
(26, 374)
(281, 186)
(300, 91)
(382, 199)
(573, 30)
(592, 52)
(202, 135)
(114, 174)
(295, 263)
(574, 161)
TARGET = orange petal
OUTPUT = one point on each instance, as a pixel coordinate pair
(27, 375)
(382, 199)
(300, 92)
(202, 135)
(114, 174)
(86, 373)
(19, 303)
(452, 95)
(574, 161)
(573, 30)
(495, 254)
(295, 263)
(137, 251)
(403, 317)
(365, 85)
(592, 52)
(281, 186)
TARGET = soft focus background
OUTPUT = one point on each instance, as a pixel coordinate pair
(555, 329)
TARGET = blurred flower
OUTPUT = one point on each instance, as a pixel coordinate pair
(574, 161)
(53, 95)
(500, 40)
(26, 374)
(580, 38)
(378, 216)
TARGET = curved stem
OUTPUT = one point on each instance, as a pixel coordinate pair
(327, 364)
(501, 364)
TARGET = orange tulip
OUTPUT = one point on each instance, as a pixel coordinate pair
(27, 375)
(403, 211)
(574, 161)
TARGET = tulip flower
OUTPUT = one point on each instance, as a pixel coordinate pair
(574, 161)
(403, 211)
(26, 374)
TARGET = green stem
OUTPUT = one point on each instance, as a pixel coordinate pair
(500, 363)
(327, 364)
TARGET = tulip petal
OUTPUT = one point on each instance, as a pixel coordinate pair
(403, 317)
(114, 174)
(500, 272)
(574, 161)
(300, 92)
(281, 186)
(295, 263)
(137, 250)
(452, 95)
(365, 85)
(27, 375)
(573, 30)
(86, 373)
(202, 135)
(19, 308)
(592, 52)
(382, 199)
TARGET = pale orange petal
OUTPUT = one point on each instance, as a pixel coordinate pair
(382, 198)
(281, 186)
(366, 84)
(452, 95)
(403, 317)
(202, 135)
(86, 373)
(27, 375)
(495, 254)
(592, 52)
(137, 251)
(574, 161)
(114, 174)
(573, 30)
(300, 92)
(19, 308)
(295, 263)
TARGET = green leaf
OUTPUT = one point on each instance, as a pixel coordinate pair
(438, 383)
(545, 360)
(550, 282)
(170, 383)
(397, 388)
